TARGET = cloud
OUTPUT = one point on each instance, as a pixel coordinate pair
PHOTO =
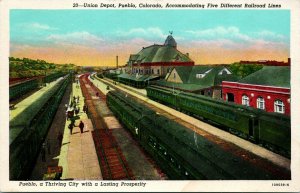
(37, 26)
(265, 34)
(231, 32)
(215, 45)
(80, 38)
(227, 44)
(143, 32)
(41, 26)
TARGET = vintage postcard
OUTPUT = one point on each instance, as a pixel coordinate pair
(139, 96)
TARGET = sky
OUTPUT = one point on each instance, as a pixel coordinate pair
(96, 37)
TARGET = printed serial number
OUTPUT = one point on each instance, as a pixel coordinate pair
(280, 184)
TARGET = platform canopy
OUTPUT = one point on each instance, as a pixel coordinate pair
(135, 77)
(136, 80)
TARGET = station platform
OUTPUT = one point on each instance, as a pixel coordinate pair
(77, 154)
(223, 135)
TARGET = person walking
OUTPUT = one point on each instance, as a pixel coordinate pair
(81, 126)
(84, 108)
(71, 128)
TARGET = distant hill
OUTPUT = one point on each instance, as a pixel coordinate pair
(25, 67)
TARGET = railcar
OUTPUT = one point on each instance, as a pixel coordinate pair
(269, 129)
(51, 77)
(275, 132)
(28, 130)
(22, 88)
(179, 151)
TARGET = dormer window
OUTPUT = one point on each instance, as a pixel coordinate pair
(224, 72)
(203, 74)
(177, 57)
(200, 75)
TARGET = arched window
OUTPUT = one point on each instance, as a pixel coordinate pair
(279, 106)
(260, 103)
(245, 100)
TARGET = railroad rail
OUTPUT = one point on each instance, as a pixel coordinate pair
(112, 162)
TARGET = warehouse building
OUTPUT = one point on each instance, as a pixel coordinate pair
(267, 89)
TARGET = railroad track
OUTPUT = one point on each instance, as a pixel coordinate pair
(112, 162)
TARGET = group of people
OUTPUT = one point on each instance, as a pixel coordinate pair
(76, 109)
(70, 109)
(76, 100)
(72, 125)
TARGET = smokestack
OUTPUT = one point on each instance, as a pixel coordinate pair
(117, 60)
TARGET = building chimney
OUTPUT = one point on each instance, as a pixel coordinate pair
(117, 60)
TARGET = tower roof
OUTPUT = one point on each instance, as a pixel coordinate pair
(170, 41)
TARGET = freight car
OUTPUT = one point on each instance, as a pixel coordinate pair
(179, 151)
(273, 130)
(28, 129)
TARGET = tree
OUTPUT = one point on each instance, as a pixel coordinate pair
(243, 70)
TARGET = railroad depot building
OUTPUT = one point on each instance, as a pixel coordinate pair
(158, 59)
(267, 89)
(202, 79)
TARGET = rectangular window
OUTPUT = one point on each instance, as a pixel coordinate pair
(279, 106)
(260, 103)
